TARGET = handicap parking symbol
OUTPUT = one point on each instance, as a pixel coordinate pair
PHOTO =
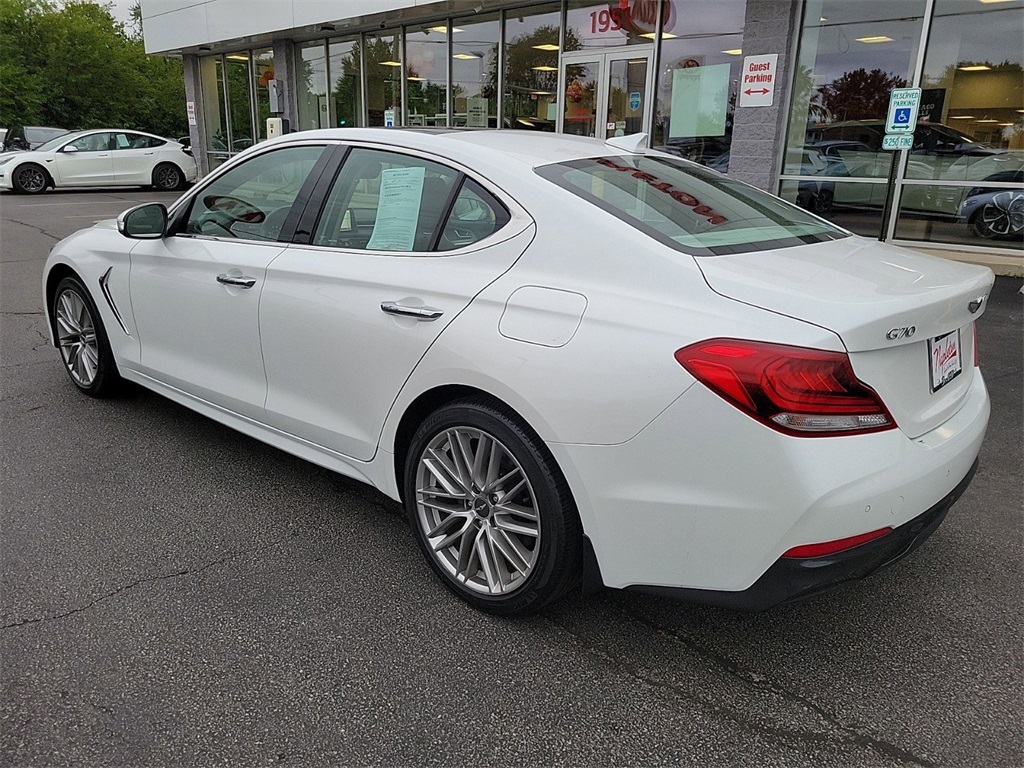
(902, 116)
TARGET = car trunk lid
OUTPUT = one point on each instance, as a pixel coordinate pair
(894, 310)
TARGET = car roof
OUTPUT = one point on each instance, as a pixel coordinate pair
(527, 147)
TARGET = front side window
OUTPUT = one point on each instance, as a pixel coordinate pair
(94, 142)
(694, 210)
(384, 201)
(252, 200)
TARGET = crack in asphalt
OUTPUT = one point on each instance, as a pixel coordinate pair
(139, 582)
(851, 736)
(40, 230)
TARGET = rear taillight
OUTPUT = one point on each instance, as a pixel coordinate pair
(187, 151)
(832, 547)
(977, 354)
(796, 390)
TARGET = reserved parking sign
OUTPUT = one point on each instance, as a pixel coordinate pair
(903, 106)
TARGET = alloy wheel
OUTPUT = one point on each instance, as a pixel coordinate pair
(167, 177)
(32, 179)
(1003, 216)
(76, 334)
(477, 510)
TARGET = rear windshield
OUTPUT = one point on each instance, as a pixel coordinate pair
(688, 207)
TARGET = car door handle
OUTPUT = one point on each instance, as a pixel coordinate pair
(420, 313)
(238, 282)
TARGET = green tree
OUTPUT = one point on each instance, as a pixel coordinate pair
(859, 94)
(75, 66)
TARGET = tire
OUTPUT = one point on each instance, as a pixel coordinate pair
(30, 179)
(82, 340)
(1002, 218)
(505, 537)
(822, 202)
(167, 177)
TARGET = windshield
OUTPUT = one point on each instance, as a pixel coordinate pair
(688, 207)
(35, 134)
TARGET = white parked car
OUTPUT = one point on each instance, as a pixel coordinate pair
(573, 361)
(99, 158)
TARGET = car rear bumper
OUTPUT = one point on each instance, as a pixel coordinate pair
(707, 500)
(796, 578)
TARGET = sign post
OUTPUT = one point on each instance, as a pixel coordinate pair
(899, 135)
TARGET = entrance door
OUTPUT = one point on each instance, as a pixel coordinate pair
(606, 94)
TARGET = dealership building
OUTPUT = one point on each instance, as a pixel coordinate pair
(789, 95)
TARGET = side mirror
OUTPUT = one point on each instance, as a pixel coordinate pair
(69, 148)
(143, 222)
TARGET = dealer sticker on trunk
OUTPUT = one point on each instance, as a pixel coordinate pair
(944, 359)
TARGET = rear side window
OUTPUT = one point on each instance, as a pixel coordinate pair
(475, 214)
(688, 207)
(385, 201)
(252, 200)
(135, 141)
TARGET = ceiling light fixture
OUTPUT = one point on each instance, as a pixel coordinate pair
(961, 117)
(544, 69)
(390, 63)
(465, 56)
(734, 52)
(444, 30)
(546, 47)
(875, 39)
(664, 35)
(975, 68)
(988, 120)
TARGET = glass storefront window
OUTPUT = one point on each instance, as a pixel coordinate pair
(851, 56)
(475, 71)
(346, 83)
(311, 87)
(531, 67)
(859, 206)
(601, 24)
(426, 73)
(240, 101)
(701, 58)
(972, 92)
(383, 77)
(263, 70)
(211, 72)
(989, 214)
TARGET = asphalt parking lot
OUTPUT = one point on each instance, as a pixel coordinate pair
(173, 593)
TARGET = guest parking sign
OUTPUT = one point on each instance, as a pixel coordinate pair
(757, 85)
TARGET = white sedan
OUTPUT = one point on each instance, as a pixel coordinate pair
(573, 361)
(99, 158)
